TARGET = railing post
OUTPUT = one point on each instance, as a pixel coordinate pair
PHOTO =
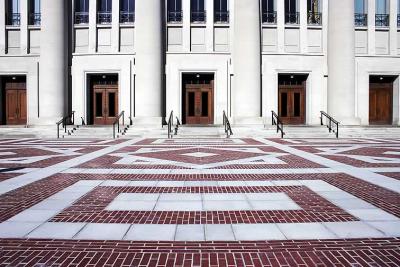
(322, 122)
(114, 130)
(330, 125)
(337, 130)
(58, 131)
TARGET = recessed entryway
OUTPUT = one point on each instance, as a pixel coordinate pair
(292, 98)
(381, 100)
(198, 98)
(103, 99)
(13, 100)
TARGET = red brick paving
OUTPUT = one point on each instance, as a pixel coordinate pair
(355, 252)
(91, 208)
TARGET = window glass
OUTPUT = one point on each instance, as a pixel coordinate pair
(381, 6)
(197, 5)
(174, 5)
(268, 6)
(81, 5)
(313, 6)
(290, 6)
(221, 5)
(13, 6)
(104, 5)
(127, 5)
(359, 6)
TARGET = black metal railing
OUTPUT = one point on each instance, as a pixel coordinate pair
(104, 17)
(119, 125)
(331, 123)
(292, 18)
(269, 17)
(198, 16)
(170, 123)
(81, 18)
(221, 16)
(279, 124)
(314, 18)
(227, 125)
(64, 122)
(35, 19)
(13, 19)
(126, 17)
(382, 20)
(360, 20)
(174, 16)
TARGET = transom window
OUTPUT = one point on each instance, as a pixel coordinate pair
(292, 15)
(81, 11)
(221, 11)
(174, 14)
(127, 11)
(268, 11)
(198, 13)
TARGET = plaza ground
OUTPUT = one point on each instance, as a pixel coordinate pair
(200, 202)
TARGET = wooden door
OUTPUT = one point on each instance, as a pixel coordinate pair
(380, 103)
(15, 105)
(199, 104)
(292, 104)
(105, 105)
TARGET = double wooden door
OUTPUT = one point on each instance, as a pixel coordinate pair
(292, 104)
(105, 104)
(199, 104)
(15, 103)
(380, 103)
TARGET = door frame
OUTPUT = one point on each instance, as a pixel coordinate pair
(105, 89)
(87, 108)
(304, 106)
(199, 87)
(5, 75)
(182, 91)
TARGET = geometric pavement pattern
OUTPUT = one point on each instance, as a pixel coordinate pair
(200, 202)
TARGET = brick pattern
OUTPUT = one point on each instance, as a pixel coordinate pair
(356, 252)
(91, 208)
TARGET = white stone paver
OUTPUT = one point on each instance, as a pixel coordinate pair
(16, 229)
(219, 232)
(305, 231)
(103, 231)
(353, 230)
(33, 215)
(190, 232)
(257, 232)
(390, 228)
(59, 230)
(151, 232)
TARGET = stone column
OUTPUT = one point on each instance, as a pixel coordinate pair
(53, 61)
(341, 62)
(2, 27)
(247, 63)
(149, 61)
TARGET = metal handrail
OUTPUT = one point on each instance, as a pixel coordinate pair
(104, 17)
(279, 124)
(330, 121)
(117, 124)
(35, 19)
(227, 125)
(361, 19)
(269, 17)
(66, 120)
(126, 17)
(221, 16)
(198, 16)
(175, 16)
(170, 124)
(81, 18)
(382, 20)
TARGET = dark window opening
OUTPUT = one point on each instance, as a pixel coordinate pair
(314, 15)
(284, 106)
(297, 104)
(292, 16)
(127, 11)
(81, 12)
(198, 13)
(99, 104)
(104, 11)
(191, 104)
(34, 12)
(111, 105)
(13, 15)
(221, 11)
(204, 104)
(268, 11)
(174, 13)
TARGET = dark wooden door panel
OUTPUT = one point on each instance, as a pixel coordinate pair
(381, 103)
(105, 105)
(292, 104)
(12, 107)
(199, 104)
(22, 107)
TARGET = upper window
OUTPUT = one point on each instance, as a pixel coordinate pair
(360, 16)
(174, 11)
(268, 11)
(221, 11)
(104, 11)
(198, 13)
(34, 12)
(381, 13)
(292, 15)
(314, 12)
(13, 15)
(81, 11)
(127, 14)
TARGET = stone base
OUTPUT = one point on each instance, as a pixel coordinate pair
(147, 121)
(247, 121)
